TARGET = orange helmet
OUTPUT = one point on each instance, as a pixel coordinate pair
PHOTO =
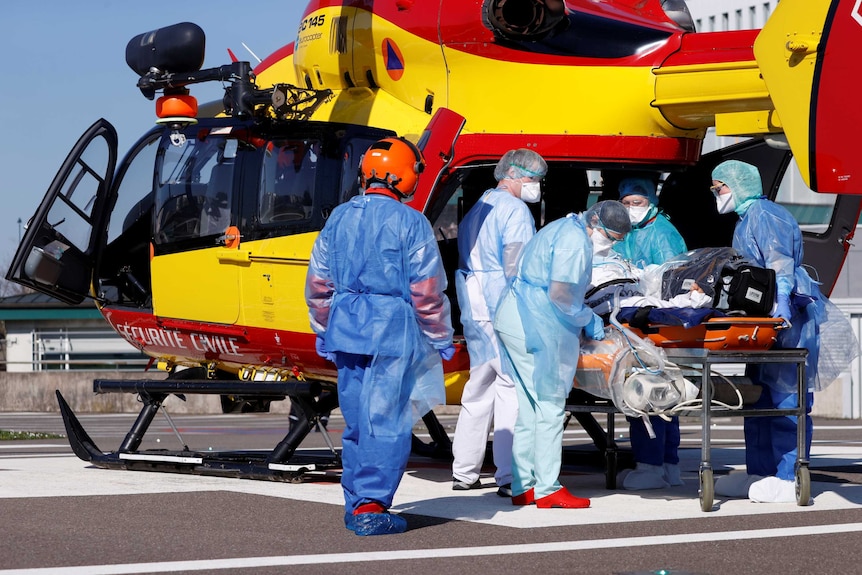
(393, 162)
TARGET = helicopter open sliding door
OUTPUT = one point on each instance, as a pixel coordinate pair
(57, 253)
(828, 221)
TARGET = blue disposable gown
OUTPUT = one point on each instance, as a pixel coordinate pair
(654, 243)
(552, 279)
(375, 295)
(491, 238)
(768, 235)
(376, 286)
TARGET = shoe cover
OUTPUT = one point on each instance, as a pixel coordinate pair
(645, 476)
(378, 524)
(672, 475)
(735, 484)
(773, 490)
(350, 520)
(458, 485)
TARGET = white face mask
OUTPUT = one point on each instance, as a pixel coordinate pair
(725, 203)
(601, 243)
(531, 192)
(637, 214)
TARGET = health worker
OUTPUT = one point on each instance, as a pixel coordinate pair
(768, 235)
(375, 294)
(539, 321)
(652, 241)
(491, 238)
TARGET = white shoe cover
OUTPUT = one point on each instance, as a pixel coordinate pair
(735, 484)
(672, 475)
(645, 476)
(773, 490)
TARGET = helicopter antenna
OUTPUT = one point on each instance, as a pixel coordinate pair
(250, 52)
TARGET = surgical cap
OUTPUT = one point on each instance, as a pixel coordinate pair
(524, 163)
(638, 187)
(742, 179)
(612, 215)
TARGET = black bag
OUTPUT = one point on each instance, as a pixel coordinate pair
(704, 267)
(747, 289)
(736, 286)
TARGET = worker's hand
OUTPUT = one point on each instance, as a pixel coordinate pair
(596, 329)
(320, 348)
(447, 352)
(782, 308)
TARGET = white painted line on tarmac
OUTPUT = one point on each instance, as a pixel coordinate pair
(412, 554)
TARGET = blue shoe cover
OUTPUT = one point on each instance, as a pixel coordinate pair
(350, 520)
(378, 524)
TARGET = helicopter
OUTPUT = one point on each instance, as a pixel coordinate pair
(195, 245)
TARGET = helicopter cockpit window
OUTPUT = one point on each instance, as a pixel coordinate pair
(194, 195)
(287, 181)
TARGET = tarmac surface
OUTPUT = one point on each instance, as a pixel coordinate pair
(62, 516)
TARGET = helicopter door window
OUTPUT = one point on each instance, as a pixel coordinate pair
(287, 181)
(194, 196)
(70, 217)
(215, 214)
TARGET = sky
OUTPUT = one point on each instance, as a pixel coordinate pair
(65, 68)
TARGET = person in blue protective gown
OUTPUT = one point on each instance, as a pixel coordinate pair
(652, 240)
(540, 319)
(491, 237)
(769, 236)
(375, 293)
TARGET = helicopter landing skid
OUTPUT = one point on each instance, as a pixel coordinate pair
(282, 463)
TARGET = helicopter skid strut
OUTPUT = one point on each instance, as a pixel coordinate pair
(282, 463)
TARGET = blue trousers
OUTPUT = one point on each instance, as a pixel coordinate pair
(375, 401)
(770, 442)
(663, 449)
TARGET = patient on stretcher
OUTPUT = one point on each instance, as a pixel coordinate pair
(703, 278)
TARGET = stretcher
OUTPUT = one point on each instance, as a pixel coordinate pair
(697, 350)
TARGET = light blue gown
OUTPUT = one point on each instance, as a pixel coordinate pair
(539, 323)
(375, 294)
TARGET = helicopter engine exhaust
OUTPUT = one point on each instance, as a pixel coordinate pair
(521, 20)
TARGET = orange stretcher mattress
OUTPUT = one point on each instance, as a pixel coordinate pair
(717, 333)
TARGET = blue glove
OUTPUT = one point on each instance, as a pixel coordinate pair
(595, 329)
(320, 348)
(782, 308)
(447, 352)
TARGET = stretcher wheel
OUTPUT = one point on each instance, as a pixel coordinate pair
(707, 489)
(803, 485)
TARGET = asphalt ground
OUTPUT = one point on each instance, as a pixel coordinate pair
(62, 516)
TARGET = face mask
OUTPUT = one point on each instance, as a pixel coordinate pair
(601, 243)
(637, 214)
(531, 192)
(725, 203)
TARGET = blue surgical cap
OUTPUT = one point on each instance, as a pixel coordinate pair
(742, 179)
(638, 187)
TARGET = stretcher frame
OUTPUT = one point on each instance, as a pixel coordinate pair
(700, 362)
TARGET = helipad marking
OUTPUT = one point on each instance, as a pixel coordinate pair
(409, 554)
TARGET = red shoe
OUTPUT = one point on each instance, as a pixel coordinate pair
(526, 498)
(564, 499)
(372, 507)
